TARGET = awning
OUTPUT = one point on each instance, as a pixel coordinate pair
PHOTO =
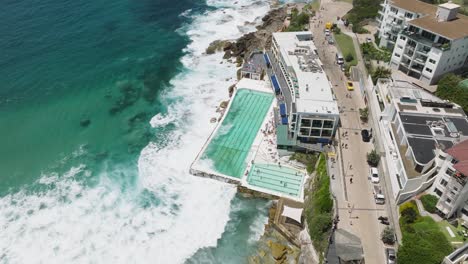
(267, 60)
(282, 109)
(284, 120)
(293, 213)
(274, 81)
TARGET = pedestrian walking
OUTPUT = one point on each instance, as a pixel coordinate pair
(350, 166)
(351, 180)
(346, 146)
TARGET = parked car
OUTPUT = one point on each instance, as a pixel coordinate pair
(374, 175)
(327, 32)
(330, 40)
(368, 40)
(365, 135)
(391, 255)
(350, 86)
(378, 196)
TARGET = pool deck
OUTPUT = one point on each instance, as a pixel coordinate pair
(265, 172)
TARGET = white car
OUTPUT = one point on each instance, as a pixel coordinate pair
(327, 32)
(374, 175)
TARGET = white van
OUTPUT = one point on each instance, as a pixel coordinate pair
(339, 58)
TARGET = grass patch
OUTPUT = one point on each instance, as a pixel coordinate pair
(313, 6)
(307, 159)
(423, 241)
(299, 21)
(346, 46)
(457, 230)
(362, 10)
(370, 52)
(318, 208)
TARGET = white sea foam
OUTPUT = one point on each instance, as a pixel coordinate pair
(103, 224)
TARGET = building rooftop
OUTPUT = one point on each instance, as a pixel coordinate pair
(452, 29)
(312, 90)
(460, 153)
(415, 6)
(428, 121)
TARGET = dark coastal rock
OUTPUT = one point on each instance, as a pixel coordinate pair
(85, 122)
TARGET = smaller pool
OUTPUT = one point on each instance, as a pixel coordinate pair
(276, 178)
(229, 147)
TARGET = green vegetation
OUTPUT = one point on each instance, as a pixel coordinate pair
(299, 21)
(312, 7)
(346, 46)
(429, 202)
(457, 231)
(307, 159)
(364, 114)
(380, 72)
(388, 236)
(423, 242)
(362, 9)
(370, 52)
(450, 88)
(373, 158)
(318, 208)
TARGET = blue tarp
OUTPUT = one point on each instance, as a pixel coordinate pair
(267, 60)
(274, 81)
(284, 120)
(282, 110)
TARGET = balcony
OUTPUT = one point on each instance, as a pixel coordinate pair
(417, 38)
(417, 68)
(443, 47)
(421, 60)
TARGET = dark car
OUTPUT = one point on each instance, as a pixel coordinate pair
(365, 135)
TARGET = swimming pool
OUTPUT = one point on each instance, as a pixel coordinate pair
(233, 140)
(277, 178)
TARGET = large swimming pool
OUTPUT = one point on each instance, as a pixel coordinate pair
(232, 141)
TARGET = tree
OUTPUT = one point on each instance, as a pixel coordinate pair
(364, 114)
(337, 30)
(380, 72)
(409, 215)
(388, 235)
(429, 202)
(349, 57)
(373, 158)
(450, 88)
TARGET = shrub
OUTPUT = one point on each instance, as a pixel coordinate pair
(337, 30)
(364, 114)
(349, 57)
(429, 202)
(380, 72)
(449, 88)
(409, 215)
(388, 235)
(373, 158)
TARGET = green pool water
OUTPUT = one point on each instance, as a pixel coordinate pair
(232, 142)
(276, 178)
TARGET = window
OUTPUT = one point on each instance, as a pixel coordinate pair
(428, 69)
(326, 133)
(305, 122)
(400, 47)
(464, 211)
(304, 131)
(317, 123)
(449, 171)
(441, 157)
(432, 61)
(448, 200)
(402, 38)
(394, 10)
(408, 15)
(328, 124)
(455, 189)
(315, 132)
(438, 192)
(443, 182)
(397, 55)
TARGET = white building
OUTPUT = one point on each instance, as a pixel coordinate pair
(427, 40)
(415, 127)
(450, 184)
(311, 111)
(459, 256)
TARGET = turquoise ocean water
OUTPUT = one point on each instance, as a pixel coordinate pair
(103, 106)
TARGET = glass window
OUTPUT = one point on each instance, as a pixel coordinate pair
(326, 133)
(327, 124)
(432, 61)
(448, 200)
(408, 15)
(397, 55)
(402, 38)
(317, 123)
(304, 132)
(428, 69)
(443, 182)
(305, 122)
(438, 192)
(315, 132)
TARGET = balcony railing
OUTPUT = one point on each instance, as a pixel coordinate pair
(442, 47)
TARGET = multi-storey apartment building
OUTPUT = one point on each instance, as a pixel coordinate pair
(450, 184)
(427, 40)
(415, 129)
(309, 108)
